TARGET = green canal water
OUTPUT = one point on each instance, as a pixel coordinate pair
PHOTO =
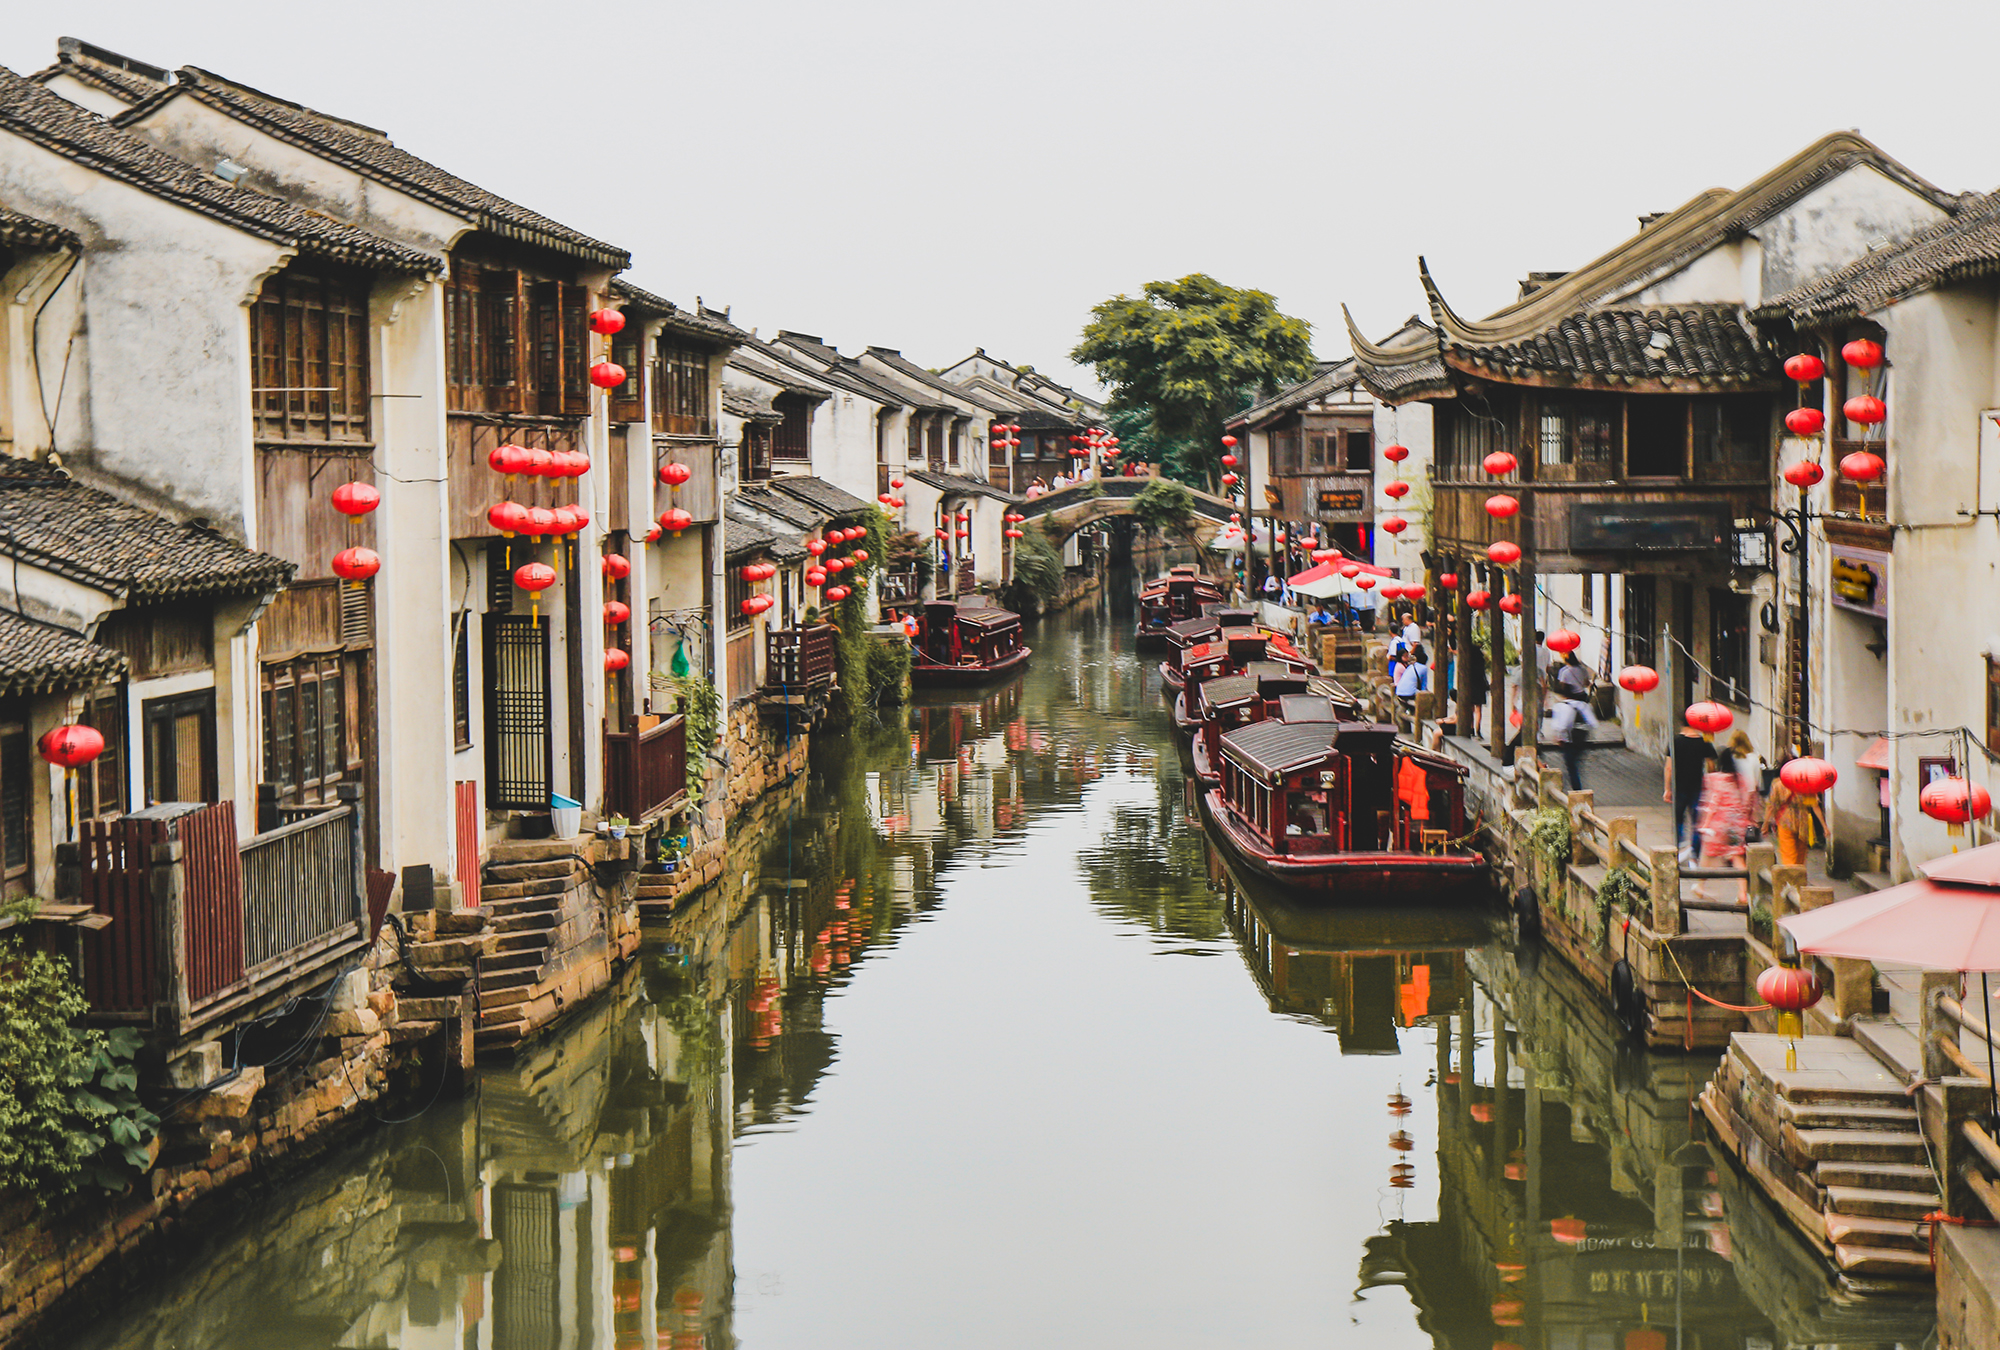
(977, 1046)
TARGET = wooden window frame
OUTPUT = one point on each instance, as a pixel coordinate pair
(1641, 619)
(682, 389)
(461, 682)
(1729, 656)
(791, 439)
(282, 685)
(735, 591)
(157, 715)
(309, 339)
(101, 785)
(17, 799)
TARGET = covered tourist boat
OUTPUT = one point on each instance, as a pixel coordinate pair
(1180, 638)
(1173, 598)
(1232, 651)
(961, 645)
(1343, 806)
(1259, 695)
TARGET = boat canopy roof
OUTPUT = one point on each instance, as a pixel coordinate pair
(1193, 630)
(1306, 708)
(1229, 691)
(989, 618)
(1272, 749)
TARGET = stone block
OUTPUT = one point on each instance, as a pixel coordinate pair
(233, 1099)
(197, 1065)
(350, 991)
(360, 1021)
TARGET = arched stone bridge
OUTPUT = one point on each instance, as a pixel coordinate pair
(1064, 513)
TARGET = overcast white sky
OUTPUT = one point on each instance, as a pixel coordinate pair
(935, 176)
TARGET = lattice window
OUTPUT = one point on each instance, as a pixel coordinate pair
(519, 768)
(309, 339)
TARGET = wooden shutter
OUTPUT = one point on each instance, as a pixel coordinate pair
(574, 350)
(519, 753)
(501, 356)
(626, 351)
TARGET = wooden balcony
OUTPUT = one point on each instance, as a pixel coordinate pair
(899, 588)
(645, 768)
(800, 660)
(207, 933)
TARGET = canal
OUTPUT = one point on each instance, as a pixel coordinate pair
(977, 1045)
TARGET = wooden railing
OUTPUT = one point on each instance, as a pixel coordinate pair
(801, 659)
(900, 588)
(202, 928)
(645, 770)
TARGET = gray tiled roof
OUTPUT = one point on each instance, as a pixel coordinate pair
(38, 657)
(1709, 344)
(821, 495)
(1959, 249)
(773, 372)
(53, 122)
(748, 408)
(20, 231)
(374, 155)
(744, 533)
(51, 521)
(910, 370)
(700, 322)
(1280, 747)
(74, 58)
(964, 487)
(762, 497)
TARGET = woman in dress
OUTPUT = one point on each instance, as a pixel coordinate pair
(1724, 817)
(1789, 818)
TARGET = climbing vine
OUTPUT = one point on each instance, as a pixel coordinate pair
(1549, 837)
(69, 1108)
(1620, 892)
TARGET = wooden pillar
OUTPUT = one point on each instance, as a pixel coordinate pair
(1462, 639)
(1496, 667)
(1933, 1025)
(1531, 685)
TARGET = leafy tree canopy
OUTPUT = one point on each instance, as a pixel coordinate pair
(1186, 356)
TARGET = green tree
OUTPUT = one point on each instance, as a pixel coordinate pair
(1187, 355)
(1163, 507)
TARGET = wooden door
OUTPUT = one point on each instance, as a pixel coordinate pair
(180, 748)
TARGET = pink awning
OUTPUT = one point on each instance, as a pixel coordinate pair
(1332, 569)
(1919, 923)
(1877, 756)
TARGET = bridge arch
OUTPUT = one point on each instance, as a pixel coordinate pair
(1062, 513)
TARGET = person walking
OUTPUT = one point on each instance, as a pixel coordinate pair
(1725, 821)
(1686, 762)
(1472, 684)
(1573, 722)
(1789, 818)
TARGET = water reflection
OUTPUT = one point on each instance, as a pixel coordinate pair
(946, 1059)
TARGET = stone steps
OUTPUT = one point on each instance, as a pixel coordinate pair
(513, 944)
(1862, 1231)
(1882, 1261)
(1835, 1145)
(1879, 1176)
(1868, 1203)
(1851, 1116)
(522, 921)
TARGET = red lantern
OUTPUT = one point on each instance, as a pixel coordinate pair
(606, 322)
(1230, 480)
(1862, 354)
(356, 564)
(535, 463)
(1805, 421)
(884, 498)
(1563, 640)
(1396, 454)
(652, 535)
(510, 518)
(675, 520)
(896, 502)
(1804, 473)
(1448, 581)
(1808, 777)
(1351, 570)
(1478, 599)
(1865, 409)
(616, 612)
(941, 533)
(1229, 461)
(1396, 490)
(1709, 718)
(1502, 506)
(1805, 367)
(508, 459)
(861, 555)
(749, 606)
(1503, 552)
(540, 521)
(607, 375)
(616, 658)
(1499, 464)
(837, 593)
(1955, 801)
(815, 546)
(535, 577)
(1863, 466)
(896, 483)
(1639, 679)
(1365, 583)
(70, 747)
(965, 534)
(1510, 604)
(816, 578)
(355, 499)
(1392, 524)
(1012, 534)
(563, 521)
(673, 474)
(1788, 988)
(581, 515)
(1229, 441)
(617, 566)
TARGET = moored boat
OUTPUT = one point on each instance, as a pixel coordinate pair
(1174, 598)
(1342, 806)
(962, 645)
(1229, 652)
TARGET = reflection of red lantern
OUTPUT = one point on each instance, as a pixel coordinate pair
(605, 322)
(1804, 473)
(607, 375)
(1509, 1312)
(673, 473)
(1499, 464)
(1478, 599)
(1503, 552)
(1500, 506)
(1483, 1112)
(356, 565)
(1788, 988)
(1807, 776)
(674, 519)
(1862, 354)
(1805, 367)
(70, 747)
(1805, 421)
(1396, 490)
(1396, 454)
(1563, 640)
(1639, 679)
(1395, 524)
(616, 659)
(1709, 718)
(1401, 1141)
(355, 499)
(1510, 604)
(1569, 1231)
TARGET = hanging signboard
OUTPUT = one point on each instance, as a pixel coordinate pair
(1333, 501)
(1861, 580)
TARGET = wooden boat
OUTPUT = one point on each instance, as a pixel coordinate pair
(1264, 694)
(960, 645)
(1230, 652)
(1179, 638)
(1173, 598)
(1343, 806)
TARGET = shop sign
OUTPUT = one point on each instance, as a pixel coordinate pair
(1332, 501)
(1861, 580)
(1650, 527)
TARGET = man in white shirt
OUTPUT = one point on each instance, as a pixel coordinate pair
(1572, 724)
(1412, 634)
